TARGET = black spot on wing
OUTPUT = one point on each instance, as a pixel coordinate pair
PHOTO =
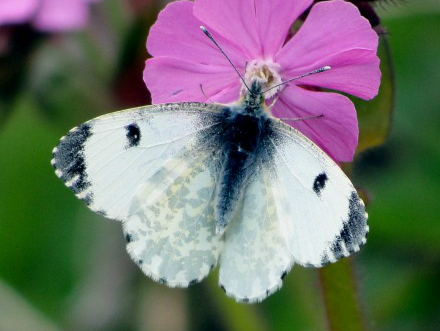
(69, 160)
(336, 247)
(128, 238)
(319, 183)
(133, 135)
(354, 228)
(88, 199)
(325, 260)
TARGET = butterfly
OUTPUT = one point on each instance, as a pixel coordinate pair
(196, 184)
(200, 184)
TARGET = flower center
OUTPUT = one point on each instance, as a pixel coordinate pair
(266, 73)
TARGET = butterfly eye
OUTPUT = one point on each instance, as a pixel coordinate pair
(319, 183)
(133, 135)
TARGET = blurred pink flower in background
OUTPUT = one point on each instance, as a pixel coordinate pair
(46, 15)
(255, 35)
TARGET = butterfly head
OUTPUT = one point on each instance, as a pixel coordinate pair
(253, 97)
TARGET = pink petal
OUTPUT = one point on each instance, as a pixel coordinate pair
(228, 94)
(172, 80)
(177, 34)
(235, 21)
(331, 27)
(336, 132)
(274, 19)
(355, 72)
(16, 11)
(57, 16)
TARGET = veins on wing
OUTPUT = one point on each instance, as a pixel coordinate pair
(287, 166)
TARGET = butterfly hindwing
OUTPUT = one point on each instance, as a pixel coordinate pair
(322, 217)
(106, 159)
(255, 257)
(171, 227)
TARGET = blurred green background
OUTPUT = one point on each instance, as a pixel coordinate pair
(64, 268)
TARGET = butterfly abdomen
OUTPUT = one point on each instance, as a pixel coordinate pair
(242, 138)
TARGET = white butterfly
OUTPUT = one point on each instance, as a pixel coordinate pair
(197, 184)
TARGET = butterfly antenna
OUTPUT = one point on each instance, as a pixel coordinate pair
(227, 58)
(317, 71)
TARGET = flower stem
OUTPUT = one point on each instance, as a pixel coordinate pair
(236, 316)
(341, 297)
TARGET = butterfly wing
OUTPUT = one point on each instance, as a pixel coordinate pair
(255, 256)
(321, 215)
(171, 227)
(105, 160)
(156, 168)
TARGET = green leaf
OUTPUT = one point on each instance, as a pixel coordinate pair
(375, 115)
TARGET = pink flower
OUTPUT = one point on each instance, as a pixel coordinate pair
(255, 35)
(46, 15)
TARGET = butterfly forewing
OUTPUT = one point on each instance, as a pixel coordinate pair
(105, 160)
(321, 215)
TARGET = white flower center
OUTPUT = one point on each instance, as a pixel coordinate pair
(266, 73)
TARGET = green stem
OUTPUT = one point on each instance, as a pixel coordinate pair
(236, 316)
(341, 297)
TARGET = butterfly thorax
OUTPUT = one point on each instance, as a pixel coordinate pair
(245, 128)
